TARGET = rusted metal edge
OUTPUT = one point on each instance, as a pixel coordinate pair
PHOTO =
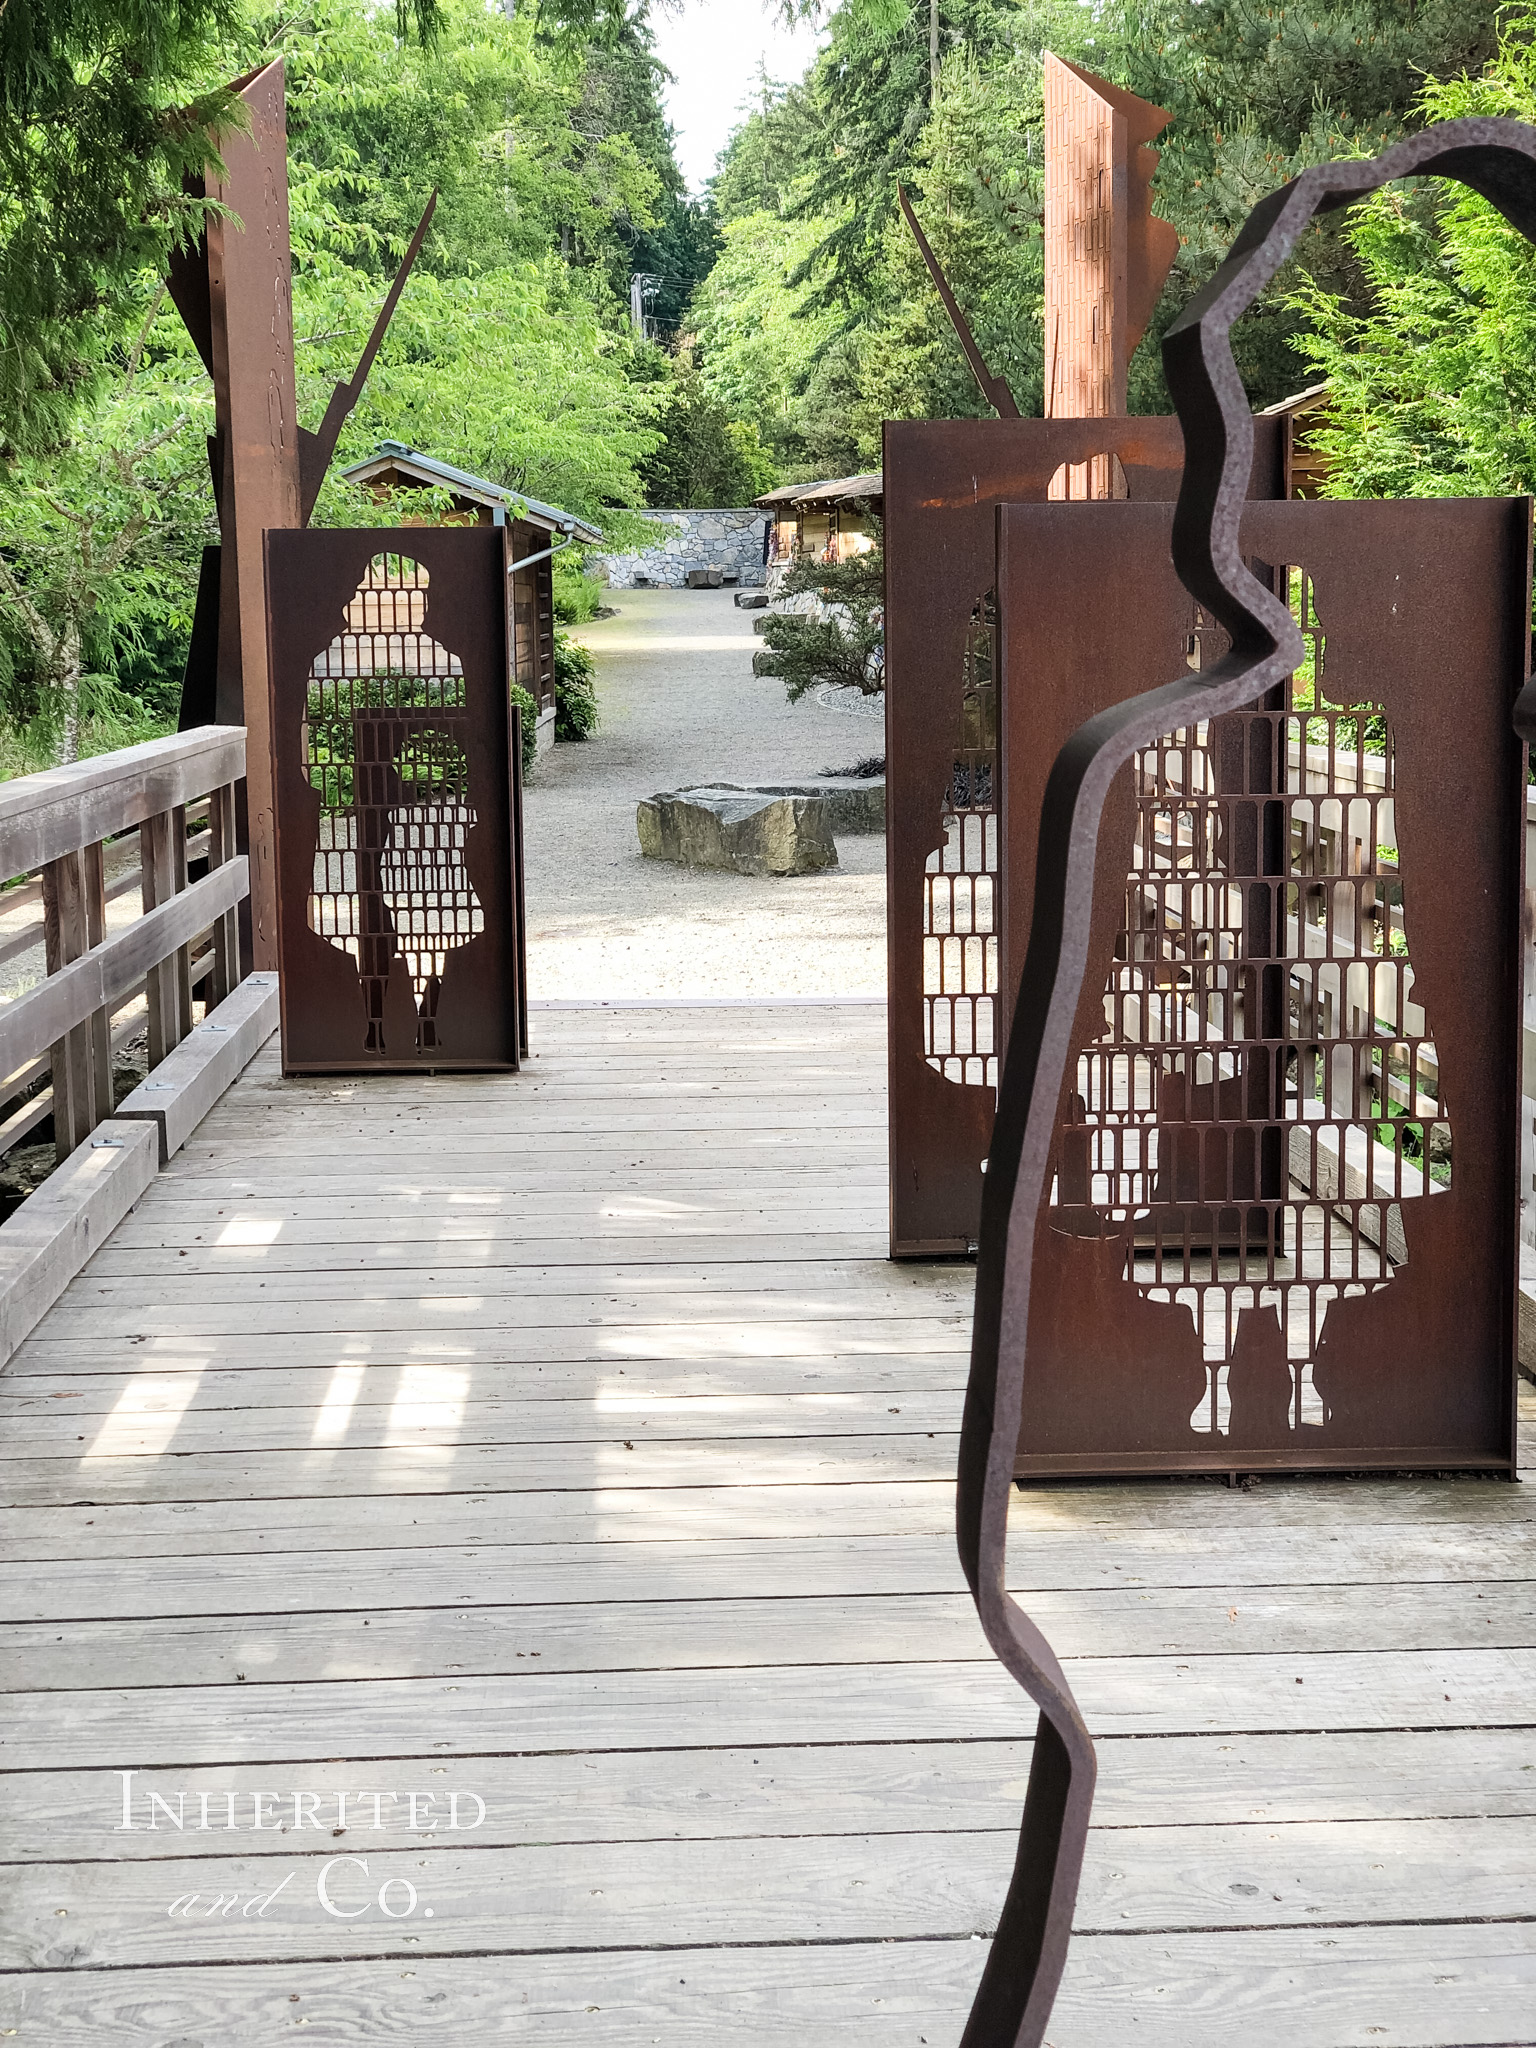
(1497, 159)
(997, 391)
(316, 449)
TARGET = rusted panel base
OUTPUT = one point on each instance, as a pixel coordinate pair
(1408, 1458)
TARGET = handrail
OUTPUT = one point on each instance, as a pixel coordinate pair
(109, 973)
(56, 825)
(63, 810)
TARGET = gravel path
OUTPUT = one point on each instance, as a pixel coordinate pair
(680, 705)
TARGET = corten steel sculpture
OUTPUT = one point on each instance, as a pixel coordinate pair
(396, 779)
(1266, 646)
(234, 291)
(1107, 255)
(943, 480)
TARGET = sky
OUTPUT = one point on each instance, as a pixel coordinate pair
(713, 48)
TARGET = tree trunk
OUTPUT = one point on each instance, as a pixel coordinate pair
(69, 685)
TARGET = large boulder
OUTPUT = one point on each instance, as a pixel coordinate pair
(855, 803)
(746, 830)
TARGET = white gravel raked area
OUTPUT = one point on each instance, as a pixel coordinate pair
(680, 706)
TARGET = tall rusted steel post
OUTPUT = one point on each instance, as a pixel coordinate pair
(1106, 253)
(257, 468)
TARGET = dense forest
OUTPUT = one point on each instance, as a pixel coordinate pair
(787, 311)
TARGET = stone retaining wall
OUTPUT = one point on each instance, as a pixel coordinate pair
(729, 540)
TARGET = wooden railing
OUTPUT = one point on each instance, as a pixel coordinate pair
(75, 841)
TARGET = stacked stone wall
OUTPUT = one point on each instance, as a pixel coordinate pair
(730, 540)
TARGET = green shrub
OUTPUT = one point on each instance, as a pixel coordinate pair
(522, 701)
(578, 596)
(575, 690)
(846, 643)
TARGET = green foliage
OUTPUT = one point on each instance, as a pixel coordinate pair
(575, 690)
(705, 457)
(577, 595)
(759, 350)
(99, 546)
(841, 639)
(806, 192)
(330, 715)
(100, 120)
(1432, 391)
(675, 243)
(523, 702)
(761, 167)
(506, 356)
(510, 353)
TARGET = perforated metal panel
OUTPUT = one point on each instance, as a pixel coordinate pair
(960, 956)
(1263, 1048)
(397, 854)
(1281, 1214)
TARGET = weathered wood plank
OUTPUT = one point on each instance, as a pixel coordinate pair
(619, 1515)
(1467, 1984)
(371, 1406)
(66, 1370)
(101, 978)
(804, 1117)
(646, 1170)
(1424, 1563)
(96, 1472)
(664, 1327)
(696, 1795)
(677, 1634)
(45, 1243)
(394, 1247)
(222, 1527)
(819, 1287)
(1289, 1693)
(753, 1889)
(56, 812)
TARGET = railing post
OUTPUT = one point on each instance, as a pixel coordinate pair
(181, 963)
(101, 1022)
(65, 938)
(162, 991)
(226, 932)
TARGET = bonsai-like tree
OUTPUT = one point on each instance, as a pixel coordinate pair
(840, 637)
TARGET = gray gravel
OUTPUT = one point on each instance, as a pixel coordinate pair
(681, 706)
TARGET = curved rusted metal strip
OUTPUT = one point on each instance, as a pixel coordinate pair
(1497, 159)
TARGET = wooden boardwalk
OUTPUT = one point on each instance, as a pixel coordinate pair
(565, 1447)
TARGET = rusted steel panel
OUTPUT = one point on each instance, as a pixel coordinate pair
(258, 455)
(399, 860)
(1282, 1232)
(943, 482)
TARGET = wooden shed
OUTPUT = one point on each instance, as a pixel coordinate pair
(535, 532)
(830, 519)
(1305, 465)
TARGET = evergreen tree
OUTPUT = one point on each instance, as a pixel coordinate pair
(705, 457)
(100, 121)
(1432, 389)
